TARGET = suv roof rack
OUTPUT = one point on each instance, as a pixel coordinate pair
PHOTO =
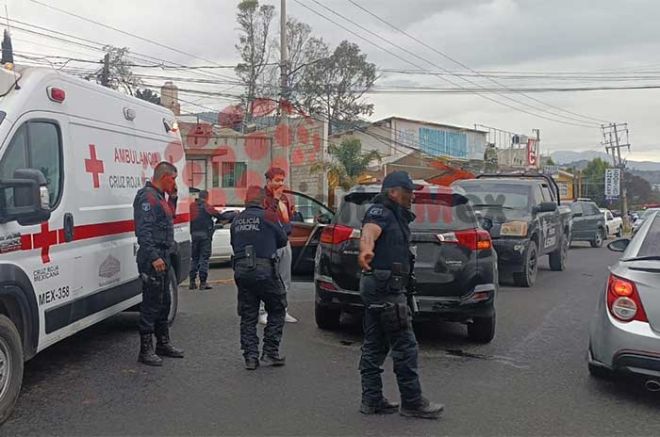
(525, 174)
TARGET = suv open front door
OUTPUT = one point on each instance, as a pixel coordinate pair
(308, 222)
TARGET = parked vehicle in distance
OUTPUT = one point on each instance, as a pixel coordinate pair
(625, 331)
(221, 250)
(588, 223)
(640, 221)
(456, 266)
(525, 220)
(613, 224)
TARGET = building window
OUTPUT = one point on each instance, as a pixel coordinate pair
(563, 190)
(234, 175)
(196, 176)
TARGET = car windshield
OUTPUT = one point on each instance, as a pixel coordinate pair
(503, 195)
(433, 211)
(649, 212)
(651, 244)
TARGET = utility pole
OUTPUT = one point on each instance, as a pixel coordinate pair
(105, 74)
(284, 62)
(612, 142)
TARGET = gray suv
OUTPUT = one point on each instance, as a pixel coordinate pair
(588, 223)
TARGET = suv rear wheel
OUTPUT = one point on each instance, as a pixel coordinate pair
(482, 329)
(326, 317)
(11, 366)
(527, 277)
(559, 256)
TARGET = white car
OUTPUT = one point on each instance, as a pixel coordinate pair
(221, 250)
(613, 225)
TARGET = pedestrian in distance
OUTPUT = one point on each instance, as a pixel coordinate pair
(256, 236)
(154, 208)
(277, 202)
(386, 262)
(202, 227)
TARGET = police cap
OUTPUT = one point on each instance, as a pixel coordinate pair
(399, 179)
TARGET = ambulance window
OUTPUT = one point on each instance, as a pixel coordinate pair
(16, 156)
(14, 159)
(36, 145)
(45, 155)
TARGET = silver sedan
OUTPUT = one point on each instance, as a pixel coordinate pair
(625, 332)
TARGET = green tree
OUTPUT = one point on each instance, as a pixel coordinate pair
(347, 162)
(148, 95)
(594, 180)
(254, 21)
(334, 86)
(118, 73)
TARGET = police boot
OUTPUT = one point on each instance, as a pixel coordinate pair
(423, 409)
(164, 348)
(272, 359)
(193, 284)
(251, 363)
(203, 285)
(382, 407)
(147, 355)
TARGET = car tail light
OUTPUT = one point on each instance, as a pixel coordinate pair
(623, 300)
(472, 239)
(336, 234)
(327, 286)
(56, 94)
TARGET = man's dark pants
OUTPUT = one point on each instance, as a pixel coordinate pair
(156, 301)
(378, 343)
(201, 252)
(255, 286)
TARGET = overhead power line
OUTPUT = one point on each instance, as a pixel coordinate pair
(574, 123)
(446, 56)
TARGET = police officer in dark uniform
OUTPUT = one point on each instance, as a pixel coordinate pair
(154, 227)
(386, 263)
(201, 230)
(256, 234)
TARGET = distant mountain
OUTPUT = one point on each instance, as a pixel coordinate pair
(563, 157)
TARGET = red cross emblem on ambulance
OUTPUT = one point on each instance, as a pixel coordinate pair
(94, 166)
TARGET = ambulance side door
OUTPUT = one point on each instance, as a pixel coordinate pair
(36, 141)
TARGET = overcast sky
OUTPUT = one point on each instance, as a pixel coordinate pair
(542, 36)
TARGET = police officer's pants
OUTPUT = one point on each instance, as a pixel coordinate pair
(155, 307)
(378, 343)
(253, 288)
(201, 252)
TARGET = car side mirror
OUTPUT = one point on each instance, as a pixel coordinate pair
(323, 219)
(619, 245)
(25, 198)
(547, 207)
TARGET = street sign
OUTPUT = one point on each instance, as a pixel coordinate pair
(613, 182)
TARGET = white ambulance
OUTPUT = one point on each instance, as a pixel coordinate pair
(73, 155)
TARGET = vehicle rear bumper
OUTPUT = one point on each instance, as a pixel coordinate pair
(478, 303)
(583, 236)
(510, 254)
(625, 348)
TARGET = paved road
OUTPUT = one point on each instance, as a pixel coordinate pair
(531, 380)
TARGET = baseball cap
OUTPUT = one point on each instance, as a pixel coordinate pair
(399, 179)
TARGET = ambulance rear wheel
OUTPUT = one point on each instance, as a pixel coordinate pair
(174, 296)
(11, 367)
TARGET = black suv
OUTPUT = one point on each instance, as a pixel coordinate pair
(456, 266)
(588, 222)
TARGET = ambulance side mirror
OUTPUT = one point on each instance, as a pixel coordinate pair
(25, 198)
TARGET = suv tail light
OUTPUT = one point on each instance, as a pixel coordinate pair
(336, 234)
(472, 239)
(623, 300)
